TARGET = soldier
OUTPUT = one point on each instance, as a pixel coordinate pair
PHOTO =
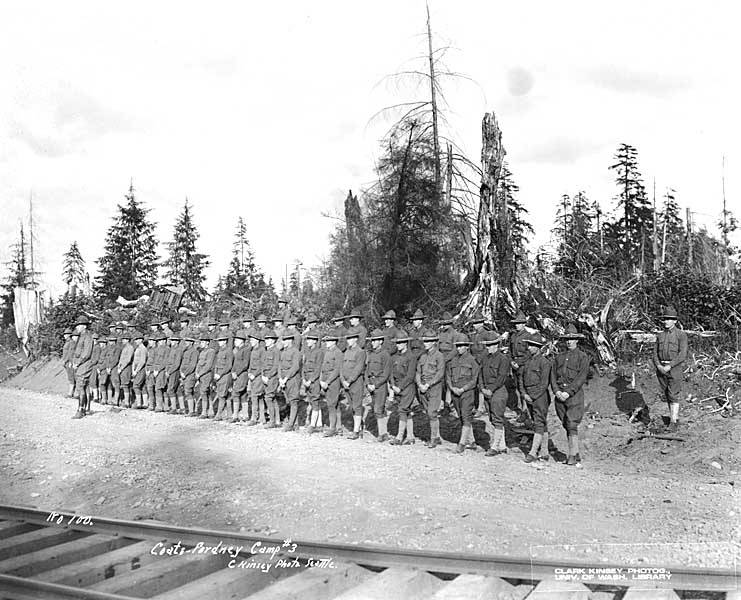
(114, 355)
(82, 365)
(75, 337)
(246, 329)
(536, 374)
(390, 332)
(329, 382)
(519, 355)
(225, 329)
(211, 326)
(204, 375)
(188, 372)
(240, 378)
(291, 327)
(94, 360)
(124, 369)
(478, 350)
(403, 373)
(415, 334)
(568, 376)
(355, 325)
(351, 378)
(279, 329)
(165, 327)
(261, 328)
(154, 328)
(462, 376)
(67, 351)
(159, 369)
(429, 378)
(269, 374)
(138, 373)
(446, 337)
(223, 374)
(149, 368)
(311, 325)
(495, 369)
(283, 309)
(311, 367)
(670, 353)
(172, 374)
(254, 376)
(289, 377)
(184, 330)
(100, 368)
(340, 331)
(377, 373)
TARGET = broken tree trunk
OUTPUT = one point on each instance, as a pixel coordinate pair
(492, 231)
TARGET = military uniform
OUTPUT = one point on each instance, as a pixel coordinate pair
(159, 367)
(671, 350)
(535, 379)
(569, 374)
(430, 372)
(403, 373)
(94, 360)
(257, 387)
(329, 377)
(204, 376)
(353, 364)
(289, 369)
(495, 368)
(463, 374)
(188, 376)
(138, 374)
(223, 375)
(377, 373)
(102, 372)
(240, 377)
(340, 331)
(68, 351)
(123, 369)
(310, 372)
(172, 372)
(149, 369)
(269, 371)
(114, 354)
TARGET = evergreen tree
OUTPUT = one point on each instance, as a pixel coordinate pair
(19, 276)
(520, 228)
(185, 264)
(243, 276)
(632, 231)
(294, 285)
(128, 266)
(73, 269)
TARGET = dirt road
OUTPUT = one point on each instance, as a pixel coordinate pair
(631, 503)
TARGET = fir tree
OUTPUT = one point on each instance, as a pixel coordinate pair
(520, 228)
(19, 276)
(185, 264)
(243, 276)
(73, 269)
(128, 266)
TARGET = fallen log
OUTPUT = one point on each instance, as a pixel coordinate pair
(658, 436)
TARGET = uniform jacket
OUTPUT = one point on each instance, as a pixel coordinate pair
(477, 347)
(404, 369)
(83, 349)
(270, 364)
(312, 363)
(95, 356)
(389, 336)
(126, 356)
(68, 350)
(518, 347)
(114, 354)
(289, 366)
(445, 343)
(462, 372)
(671, 347)
(103, 358)
(353, 364)
(140, 358)
(494, 370)
(430, 367)
(205, 361)
(362, 334)
(331, 365)
(241, 359)
(415, 341)
(569, 371)
(174, 359)
(377, 367)
(189, 362)
(536, 375)
(224, 361)
(255, 366)
(341, 332)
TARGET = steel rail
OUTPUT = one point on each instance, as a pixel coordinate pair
(525, 569)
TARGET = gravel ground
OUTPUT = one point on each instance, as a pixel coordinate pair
(628, 503)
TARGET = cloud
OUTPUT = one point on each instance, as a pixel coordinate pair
(66, 122)
(616, 79)
(558, 151)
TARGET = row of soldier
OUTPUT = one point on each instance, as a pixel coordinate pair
(213, 372)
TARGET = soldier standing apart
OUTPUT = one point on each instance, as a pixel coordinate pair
(403, 372)
(377, 373)
(172, 372)
(351, 378)
(159, 367)
(519, 355)
(240, 378)
(254, 375)
(462, 375)
(495, 369)
(138, 376)
(329, 382)
(205, 375)
(94, 360)
(536, 374)
(124, 369)
(188, 373)
(310, 372)
(568, 376)
(222, 374)
(269, 375)
(430, 375)
(669, 356)
(289, 377)
(67, 351)
(82, 365)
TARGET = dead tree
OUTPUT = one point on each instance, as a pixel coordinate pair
(493, 276)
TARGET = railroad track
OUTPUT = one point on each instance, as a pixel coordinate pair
(58, 555)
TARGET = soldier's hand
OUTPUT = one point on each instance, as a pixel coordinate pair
(396, 388)
(371, 387)
(527, 398)
(264, 380)
(515, 366)
(251, 377)
(216, 376)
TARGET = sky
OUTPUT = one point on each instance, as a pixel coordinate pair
(264, 110)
